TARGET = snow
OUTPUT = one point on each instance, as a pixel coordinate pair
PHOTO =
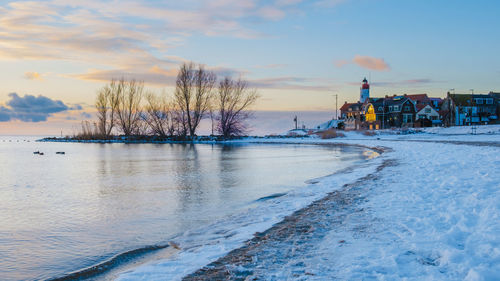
(433, 216)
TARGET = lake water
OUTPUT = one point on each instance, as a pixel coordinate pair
(62, 213)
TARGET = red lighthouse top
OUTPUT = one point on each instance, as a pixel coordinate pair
(365, 84)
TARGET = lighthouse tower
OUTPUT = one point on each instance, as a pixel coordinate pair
(365, 91)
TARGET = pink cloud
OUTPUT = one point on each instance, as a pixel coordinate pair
(367, 62)
(371, 63)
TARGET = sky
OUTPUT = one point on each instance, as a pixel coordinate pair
(55, 54)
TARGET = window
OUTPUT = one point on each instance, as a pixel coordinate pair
(489, 101)
(390, 108)
(380, 108)
(396, 107)
(479, 101)
(407, 108)
(427, 110)
(407, 118)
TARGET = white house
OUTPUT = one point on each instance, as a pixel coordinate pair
(427, 112)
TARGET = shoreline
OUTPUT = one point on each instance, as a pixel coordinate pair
(221, 268)
(288, 244)
(289, 241)
(296, 227)
(122, 262)
(144, 139)
(343, 183)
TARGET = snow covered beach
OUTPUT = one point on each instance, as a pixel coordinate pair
(427, 209)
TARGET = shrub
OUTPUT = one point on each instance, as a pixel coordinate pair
(331, 134)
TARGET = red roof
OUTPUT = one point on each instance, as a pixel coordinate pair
(420, 106)
(346, 106)
(418, 97)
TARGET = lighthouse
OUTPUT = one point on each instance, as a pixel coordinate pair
(365, 91)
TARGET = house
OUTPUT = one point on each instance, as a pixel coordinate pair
(351, 114)
(427, 116)
(467, 109)
(379, 113)
(419, 99)
(496, 96)
(397, 111)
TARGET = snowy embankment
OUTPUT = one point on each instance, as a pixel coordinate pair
(434, 215)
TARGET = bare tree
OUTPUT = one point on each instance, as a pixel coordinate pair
(129, 107)
(233, 100)
(158, 115)
(106, 105)
(194, 87)
(88, 131)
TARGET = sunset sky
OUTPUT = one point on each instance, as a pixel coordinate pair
(298, 54)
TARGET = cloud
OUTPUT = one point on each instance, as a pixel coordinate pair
(127, 39)
(371, 63)
(398, 84)
(86, 115)
(420, 81)
(155, 75)
(103, 32)
(290, 83)
(76, 107)
(30, 108)
(32, 76)
(133, 38)
(366, 62)
(167, 77)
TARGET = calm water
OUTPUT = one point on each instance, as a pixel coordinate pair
(61, 213)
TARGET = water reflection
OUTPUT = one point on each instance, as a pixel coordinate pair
(61, 213)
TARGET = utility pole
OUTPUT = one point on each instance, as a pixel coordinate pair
(473, 127)
(383, 114)
(295, 120)
(336, 107)
(450, 112)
